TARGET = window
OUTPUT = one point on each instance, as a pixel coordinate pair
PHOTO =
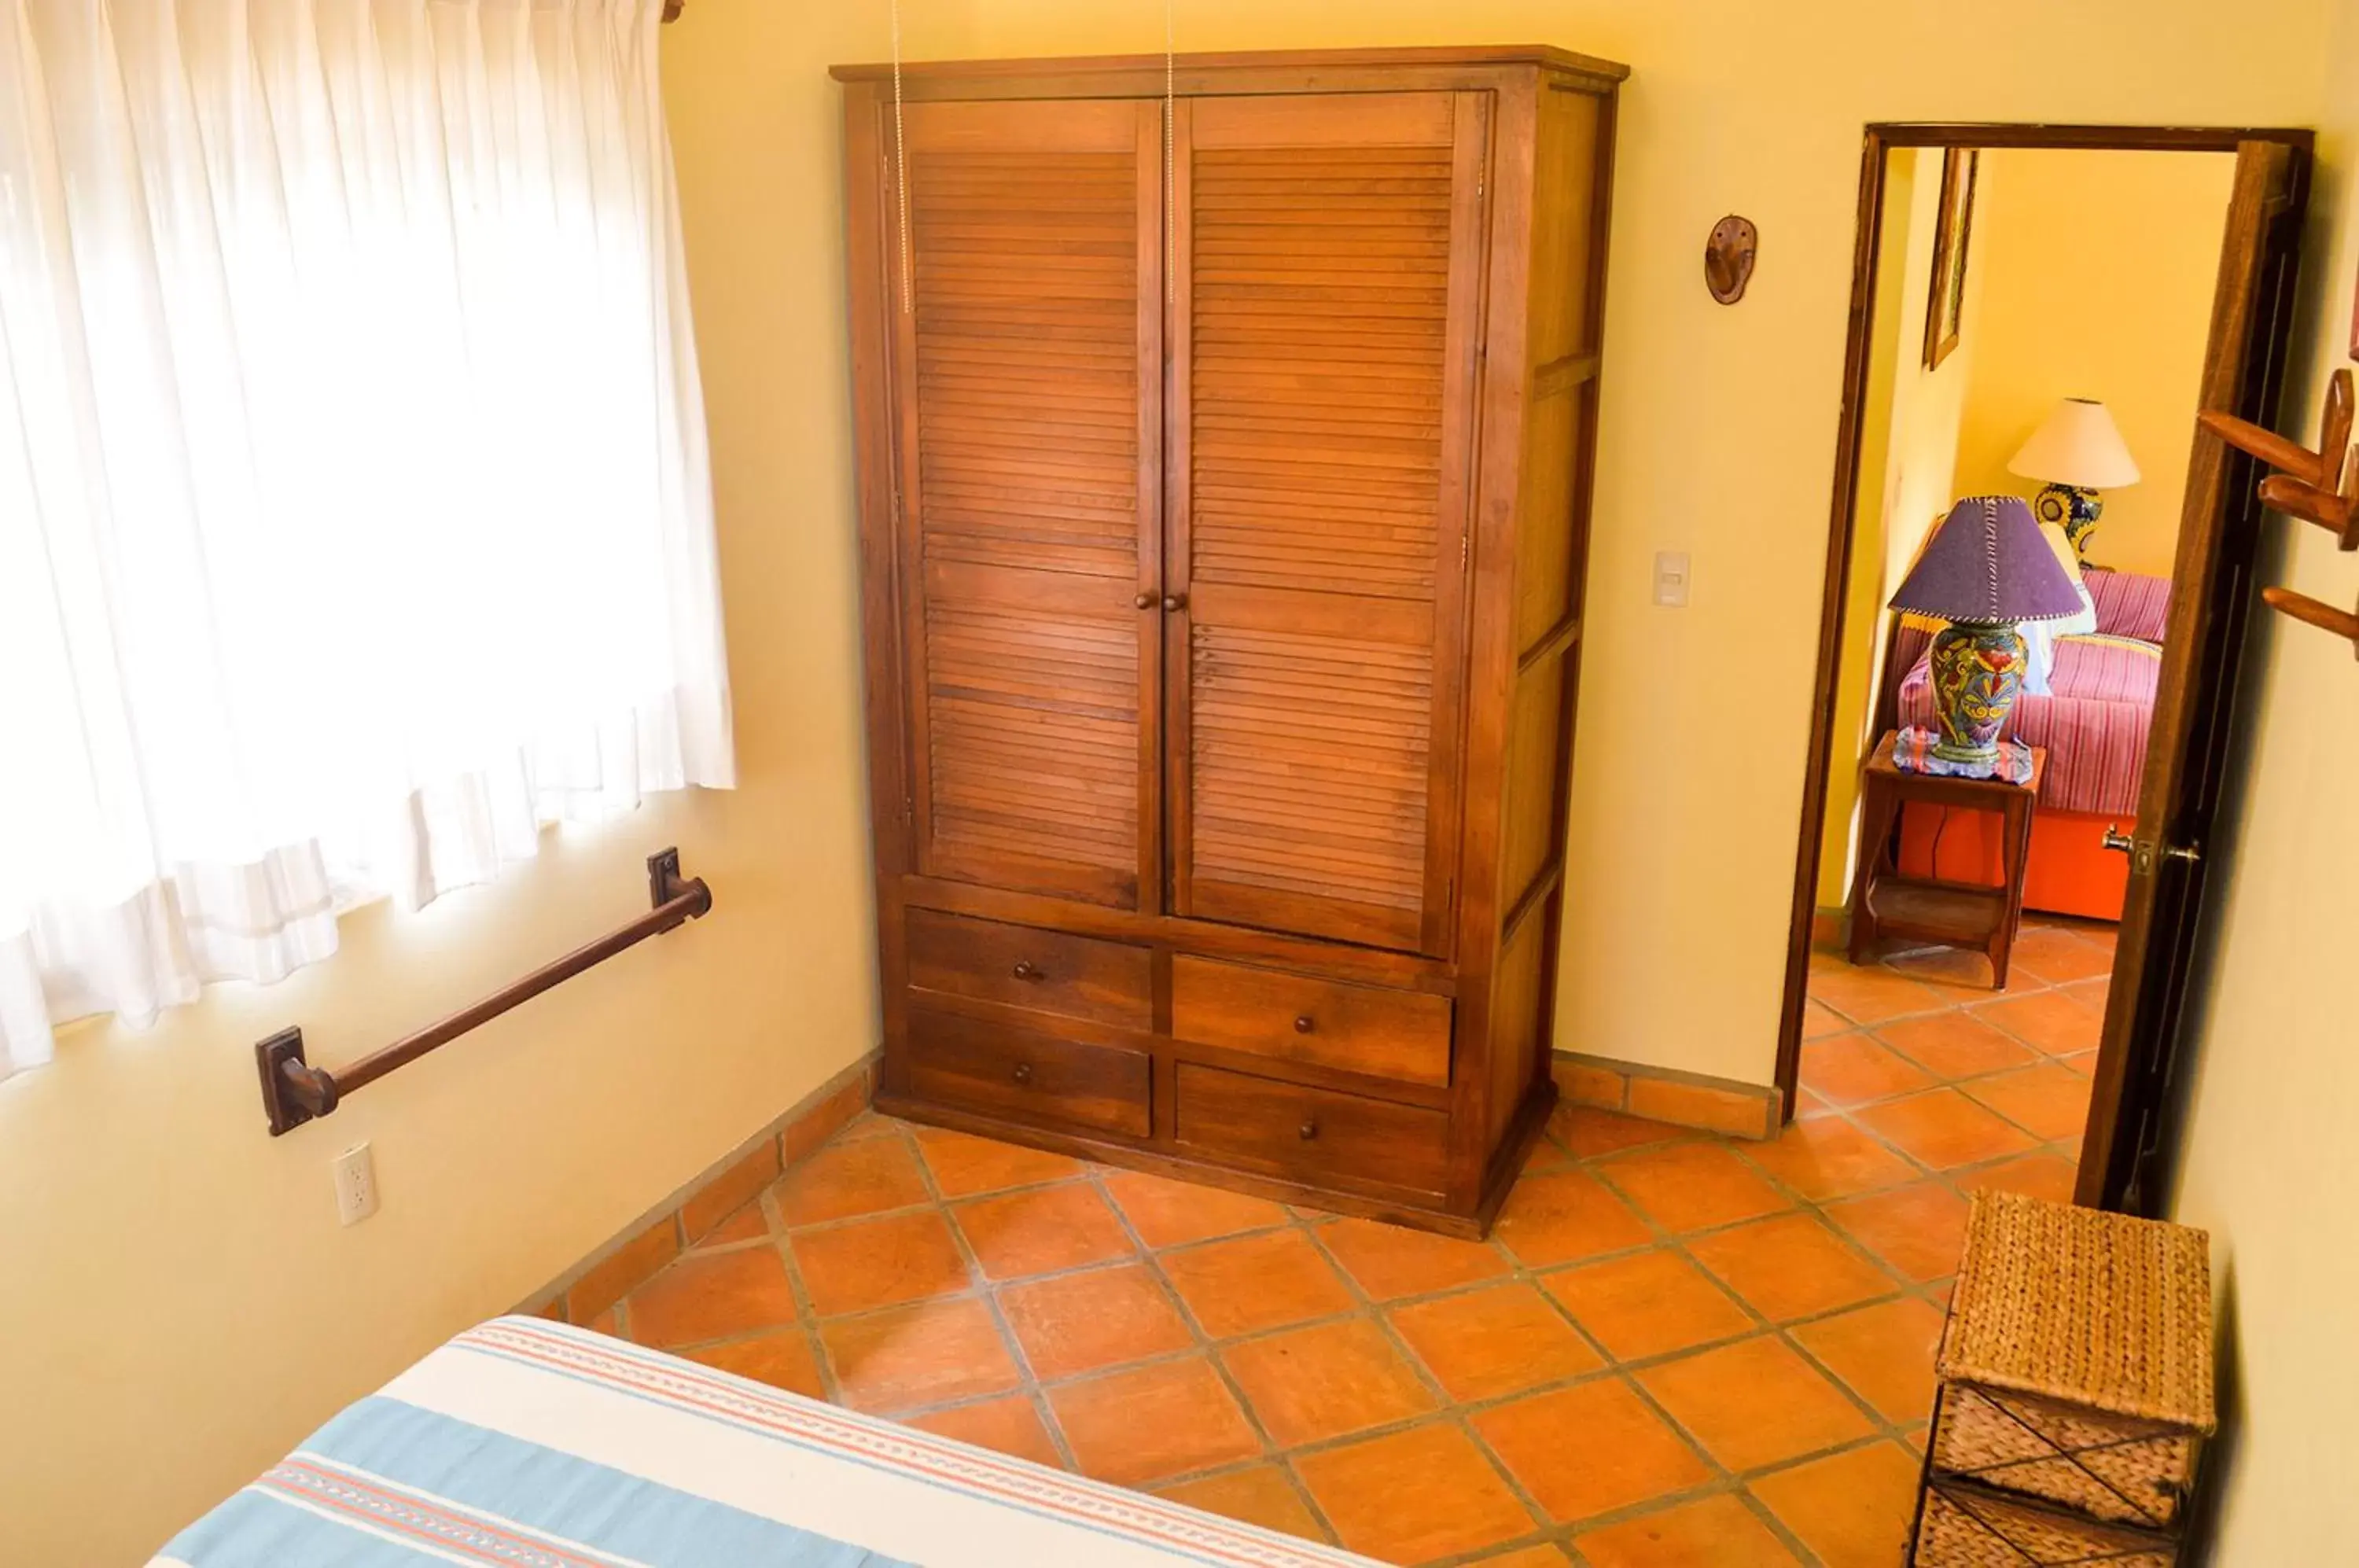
(354, 512)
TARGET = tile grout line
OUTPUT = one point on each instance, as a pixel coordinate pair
(1379, 1313)
(1729, 1482)
(806, 1317)
(1457, 1413)
(1963, 1084)
(1948, 1176)
(1206, 1346)
(1272, 1451)
(1662, 1235)
(1847, 1112)
(1663, 1238)
(988, 1289)
(1732, 1482)
(1883, 1429)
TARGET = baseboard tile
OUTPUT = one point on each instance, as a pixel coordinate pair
(641, 1248)
(1667, 1095)
(627, 1261)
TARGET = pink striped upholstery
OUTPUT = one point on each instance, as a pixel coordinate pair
(2094, 723)
(2129, 603)
(1908, 646)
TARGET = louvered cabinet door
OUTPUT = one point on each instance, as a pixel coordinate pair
(1030, 418)
(1329, 252)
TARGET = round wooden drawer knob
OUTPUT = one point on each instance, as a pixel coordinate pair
(1302, 1024)
(1308, 1130)
(1175, 601)
(1144, 602)
(1027, 970)
(1023, 1073)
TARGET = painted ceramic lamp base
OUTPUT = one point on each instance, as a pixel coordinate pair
(1977, 672)
(2073, 509)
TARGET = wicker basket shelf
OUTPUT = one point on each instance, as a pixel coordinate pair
(2076, 1386)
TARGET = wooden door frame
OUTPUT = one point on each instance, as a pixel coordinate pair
(1880, 139)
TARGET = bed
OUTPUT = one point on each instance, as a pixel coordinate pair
(531, 1444)
(2094, 721)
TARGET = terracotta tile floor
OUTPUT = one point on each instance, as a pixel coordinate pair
(1674, 1348)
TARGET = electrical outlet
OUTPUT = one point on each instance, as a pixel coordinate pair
(355, 1174)
(1672, 578)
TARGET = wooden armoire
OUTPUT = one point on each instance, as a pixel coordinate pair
(1225, 490)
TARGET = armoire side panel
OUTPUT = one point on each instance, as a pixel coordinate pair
(1026, 413)
(1572, 160)
(1323, 499)
(1567, 223)
(1529, 820)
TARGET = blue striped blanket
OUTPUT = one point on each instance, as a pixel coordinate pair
(529, 1445)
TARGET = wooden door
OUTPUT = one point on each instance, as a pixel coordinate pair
(1324, 328)
(1029, 414)
(2132, 1105)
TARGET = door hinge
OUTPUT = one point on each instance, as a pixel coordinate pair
(1465, 550)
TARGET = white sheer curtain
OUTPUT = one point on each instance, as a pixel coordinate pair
(355, 519)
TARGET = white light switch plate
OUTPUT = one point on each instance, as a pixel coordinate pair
(355, 1174)
(1672, 578)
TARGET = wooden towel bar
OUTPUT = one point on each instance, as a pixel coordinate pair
(2320, 487)
(294, 1092)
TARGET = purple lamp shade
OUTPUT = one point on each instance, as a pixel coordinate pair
(1986, 563)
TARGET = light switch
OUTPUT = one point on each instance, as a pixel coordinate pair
(1672, 578)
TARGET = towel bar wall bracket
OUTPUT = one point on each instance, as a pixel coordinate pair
(294, 1092)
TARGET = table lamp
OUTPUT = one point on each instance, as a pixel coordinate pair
(1985, 572)
(2078, 451)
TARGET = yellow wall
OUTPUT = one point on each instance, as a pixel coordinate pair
(1908, 452)
(2096, 271)
(176, 1300)
(1923, 482)
(178, 1306)
(2271, 1167)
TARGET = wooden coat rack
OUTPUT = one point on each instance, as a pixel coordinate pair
(2320, 487)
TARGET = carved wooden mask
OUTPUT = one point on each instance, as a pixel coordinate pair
(1728, 258)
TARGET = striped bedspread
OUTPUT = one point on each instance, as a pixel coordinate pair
(2093, 722)
(529, 1445)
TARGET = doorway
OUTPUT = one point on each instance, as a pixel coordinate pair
(2012, 283)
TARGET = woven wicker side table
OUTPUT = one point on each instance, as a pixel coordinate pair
(2075, 1391)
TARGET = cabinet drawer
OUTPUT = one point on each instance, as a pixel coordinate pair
(1025, 1074)
(1024, 966)
(1312, 1133)
(1299, 1018)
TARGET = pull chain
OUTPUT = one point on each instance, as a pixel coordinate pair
(900, 160)
(1170, 175)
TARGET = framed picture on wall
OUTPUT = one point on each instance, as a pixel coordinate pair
(1945, 307)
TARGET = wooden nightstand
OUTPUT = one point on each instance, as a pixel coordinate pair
(1886, 903)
